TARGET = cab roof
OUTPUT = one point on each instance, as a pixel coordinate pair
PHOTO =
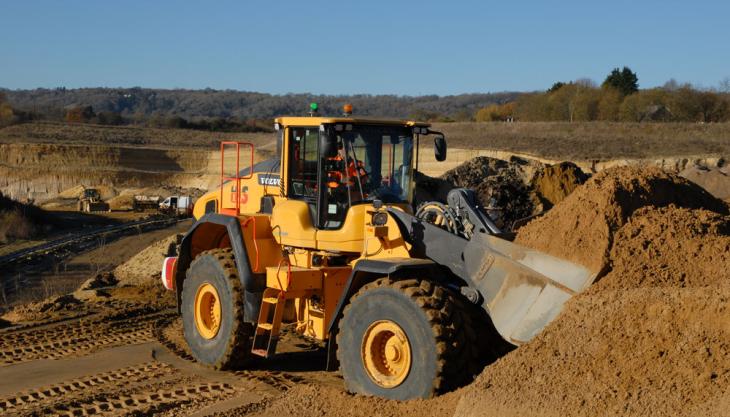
(316, 121)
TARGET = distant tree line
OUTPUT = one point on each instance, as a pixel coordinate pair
(10, 115)
(86, 114)
(233, 110)
(617, 99)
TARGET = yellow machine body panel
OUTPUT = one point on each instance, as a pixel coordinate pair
(263, 250)
(385, 241)
(349, 237)
(291, 224)
(252, 189)
(313, 314)
(293, 278)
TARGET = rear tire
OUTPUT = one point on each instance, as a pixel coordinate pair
(443, 353)
(226, 343)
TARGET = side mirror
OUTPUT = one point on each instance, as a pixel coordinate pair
(439, 148)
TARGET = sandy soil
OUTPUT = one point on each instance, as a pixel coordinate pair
(582, 227)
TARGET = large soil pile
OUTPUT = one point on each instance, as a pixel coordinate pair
(652, 336)
(644, 351)
(582, 227)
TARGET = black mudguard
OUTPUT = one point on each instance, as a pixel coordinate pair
(219, 226)
(367, 270)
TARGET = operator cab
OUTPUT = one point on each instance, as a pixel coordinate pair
(337, 163)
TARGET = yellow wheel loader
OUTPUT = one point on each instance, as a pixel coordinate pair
(325, 236)
(90, 201)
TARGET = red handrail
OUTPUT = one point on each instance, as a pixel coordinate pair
(237, 178)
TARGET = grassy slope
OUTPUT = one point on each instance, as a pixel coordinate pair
(592, 140)
(62, 133)
(554, 140)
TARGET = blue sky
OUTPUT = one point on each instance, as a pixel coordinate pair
(377, 47)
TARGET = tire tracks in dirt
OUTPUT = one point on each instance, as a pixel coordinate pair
(141, 403)
(77, 337)
(280, 381)
(51, 393)
(169, 382)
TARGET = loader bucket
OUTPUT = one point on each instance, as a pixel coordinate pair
(523, 289)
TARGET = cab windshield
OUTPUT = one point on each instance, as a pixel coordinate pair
(371, 162)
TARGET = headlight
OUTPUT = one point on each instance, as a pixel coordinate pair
(379, 218)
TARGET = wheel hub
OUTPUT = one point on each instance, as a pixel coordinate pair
(207, 311)
(386, 353)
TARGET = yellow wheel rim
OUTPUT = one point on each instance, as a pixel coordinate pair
(207, 311)
(386, 353)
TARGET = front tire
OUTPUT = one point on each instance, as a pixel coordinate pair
(212, 311)
(405, 339)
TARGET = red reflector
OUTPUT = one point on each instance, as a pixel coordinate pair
(169, 267)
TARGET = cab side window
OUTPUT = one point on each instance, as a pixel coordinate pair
(303, 163)
(210, 207)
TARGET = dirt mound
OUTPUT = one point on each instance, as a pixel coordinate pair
(145, 266)
(555, 182)
(121, 202)
(582, 227)
(473, 172)
(508, 190)
(652, 337)
(655, 246)
(95, 288)
(502, 187)
(715, 180)
(72, 193)
(645, 351)
(52, 307)
(310, 400)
